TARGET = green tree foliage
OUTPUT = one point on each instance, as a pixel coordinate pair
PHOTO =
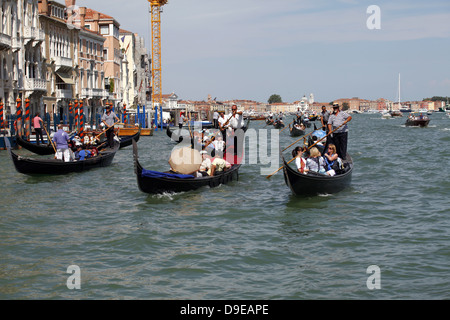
(274, 98)
(437, 98)
(345, 106)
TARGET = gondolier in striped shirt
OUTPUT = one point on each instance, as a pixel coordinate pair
(340, 136)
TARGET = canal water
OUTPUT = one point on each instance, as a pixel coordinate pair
(251, 239)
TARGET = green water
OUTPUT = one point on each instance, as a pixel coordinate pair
(251, 239)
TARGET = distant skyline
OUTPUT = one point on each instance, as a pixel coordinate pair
(251, 49)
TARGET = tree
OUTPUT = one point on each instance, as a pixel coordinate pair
(274, 99)
(345, 106)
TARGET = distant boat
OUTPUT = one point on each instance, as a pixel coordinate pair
(416, 119)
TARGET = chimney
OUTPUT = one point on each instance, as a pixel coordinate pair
(96, 18)
(82, 16)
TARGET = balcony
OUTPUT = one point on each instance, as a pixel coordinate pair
(64, 93)
(5, 41)
(33, 34)
(63, 63)
(32, 84)
(86, 92)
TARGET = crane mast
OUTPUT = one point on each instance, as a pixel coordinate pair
(156, 9)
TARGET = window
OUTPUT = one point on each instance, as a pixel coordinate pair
(104, 30)
(105, 54)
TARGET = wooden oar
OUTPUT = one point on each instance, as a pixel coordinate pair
(299, 139)
(96, 137)
(307, 149)
(286, 126)
(48, 137)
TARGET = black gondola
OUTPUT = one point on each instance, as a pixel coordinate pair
(126, 141)
(41, 149)
(33, 166)
(278, 124)
(269, 121)
(314, 183)
(164, 182)
(47, 149)
(295, 131)
(176, 134)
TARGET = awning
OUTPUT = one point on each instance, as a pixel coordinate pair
(67, 79)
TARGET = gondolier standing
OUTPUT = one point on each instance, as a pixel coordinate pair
(109, 118)
(340, 136)
(37, 128)
(236, 121)
(62, 148)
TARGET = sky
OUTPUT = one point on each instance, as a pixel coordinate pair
(251, 49)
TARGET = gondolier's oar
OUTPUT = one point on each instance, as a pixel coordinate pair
(48, 137)
(286, 126)
(220, 131)
(96, 137)
(345, 122)
(298, 140)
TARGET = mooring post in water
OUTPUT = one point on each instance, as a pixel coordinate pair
(156, 118)
(19, 116)
(161, 117)
(27, 119)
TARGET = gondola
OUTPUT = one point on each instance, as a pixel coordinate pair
(154, 182)
(34, 166)
(295, 131)
(47, 149)
(417, 120)
(41, 149)
(126, 141)
(269, 121)
(314, 183)
(175, 134)
(278, 124)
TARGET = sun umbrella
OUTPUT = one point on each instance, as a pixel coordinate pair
(185, 160)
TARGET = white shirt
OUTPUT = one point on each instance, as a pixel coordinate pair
(218, 145)
(206, 165)
(222, 121)
(236, 121)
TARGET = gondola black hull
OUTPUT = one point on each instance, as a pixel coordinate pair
(278, 125)
(40, 149)
(126, 141)
(417, 123)
(294, 132)
(314, 184)
(175, 185)
(47, 149)
(32, 166)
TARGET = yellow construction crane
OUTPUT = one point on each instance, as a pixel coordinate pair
(156, 9)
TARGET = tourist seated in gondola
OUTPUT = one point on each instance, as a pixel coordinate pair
(205, 166)
(219, 164)
(300, 161)
(332, 161)
(315, 162)
(94, 151)
(82, 154)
